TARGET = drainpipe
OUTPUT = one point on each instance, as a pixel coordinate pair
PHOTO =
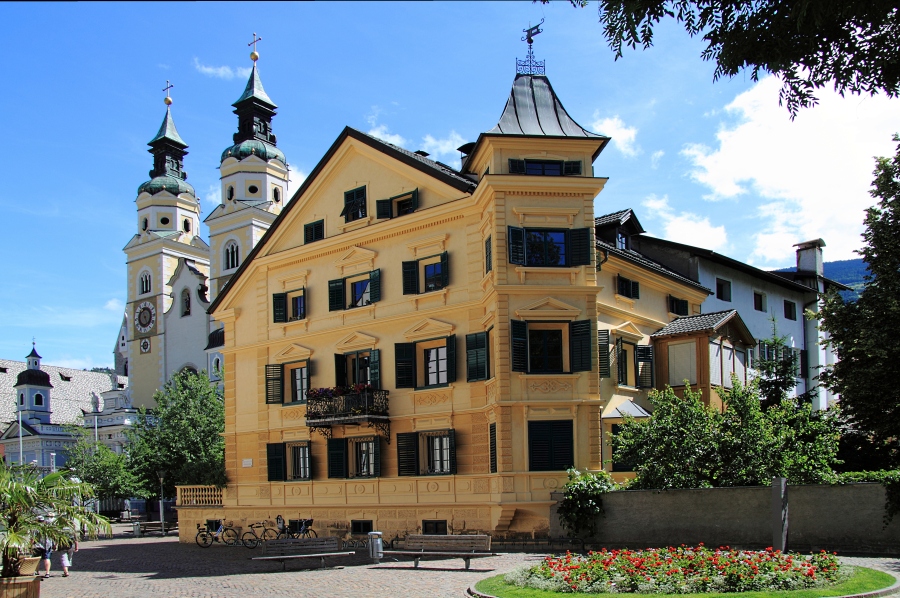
(604, 260)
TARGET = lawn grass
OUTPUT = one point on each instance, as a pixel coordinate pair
(861, 580)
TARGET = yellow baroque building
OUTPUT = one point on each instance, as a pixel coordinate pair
(415, 349)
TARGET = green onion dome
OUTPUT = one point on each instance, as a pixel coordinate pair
(173, 185)
(254, 147)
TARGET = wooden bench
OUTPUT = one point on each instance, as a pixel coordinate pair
(464, 547)
(301, 548)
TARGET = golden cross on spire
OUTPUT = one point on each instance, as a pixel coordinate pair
(166, 89)
(254, 55)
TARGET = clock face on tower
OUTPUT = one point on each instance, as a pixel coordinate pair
(145, 345)
(144, 317)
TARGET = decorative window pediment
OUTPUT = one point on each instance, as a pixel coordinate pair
(629, 331)
(428, 328)
(356, 341)
(357, 259)
(548, 308)
(293, 352)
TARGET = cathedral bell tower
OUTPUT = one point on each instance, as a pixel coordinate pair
(168, 222)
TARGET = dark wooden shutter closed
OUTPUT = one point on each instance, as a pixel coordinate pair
(519, 345)
(572, 168)
(340, 370)
(309, 234)
(562, 455)
(623, 286)
(603, 353)
(516, 166)
(376, 456)
(452, 443)
(415, 199)
(492, 439)
(279, 307)
(621, 364)
(476, 356)
(274, 383)
(445, 270)
(411, 278)
(644, 357)
(405, 365)
(539, 446)
(275, 462)
(488, 255)
(336, 301)
(804, 364)
(337, 457)
(375, 286)
(580, 349)
(516, 245)
(635, 290)
(451, 358)
(580, 247)
(408, 454)
(375, 368)
(384, 208)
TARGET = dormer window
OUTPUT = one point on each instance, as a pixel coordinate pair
(354, 204)
(622, 240)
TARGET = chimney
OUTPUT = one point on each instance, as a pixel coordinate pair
(809, 257)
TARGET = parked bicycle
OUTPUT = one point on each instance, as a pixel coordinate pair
(225, 534)
(306, 530)
(252, 539)
(356, 543)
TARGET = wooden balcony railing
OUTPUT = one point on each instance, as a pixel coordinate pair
(198, 496)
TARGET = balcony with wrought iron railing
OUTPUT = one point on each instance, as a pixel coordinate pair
(351, 405)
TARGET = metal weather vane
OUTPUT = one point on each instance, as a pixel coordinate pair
(530, 66)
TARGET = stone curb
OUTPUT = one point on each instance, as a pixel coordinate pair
(473, 592)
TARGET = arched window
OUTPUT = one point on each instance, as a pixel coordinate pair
(217, 364)
(276, 194)
(185, 302)
(230, 193)
(22, 399)
(232, 255)
(144, 224)
(38, 400)
(145, 283)
(186, 225)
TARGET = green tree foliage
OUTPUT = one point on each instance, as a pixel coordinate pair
(685, 444)
(96, 464)
(57, 499)
(583, 501)
(850, 44)
(864, 333)
(777, 372)
(181, 437)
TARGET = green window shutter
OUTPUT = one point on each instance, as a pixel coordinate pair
(313, 231)
(580, 345)
(274, 383)
(375, 368)
(516, 166)
(580, 247)
(408, 454)
(337, 457)
(572, 168)
(476, 356)
(562, 455)
(519, 345)
(488, 255)
(336, 301)
(635, 290)
(376, 456)
(603, 353)
(621, 364)
(451, 358)
(384, 208)
(452, 443)
(516, 245)
(492, 439)
(411, 278)
(405, 365)
(279, 307)
(644, 357)
(340, 369)
(445, 270)
(415, 199)
(375, 286)
(275, 462)
(539, 446)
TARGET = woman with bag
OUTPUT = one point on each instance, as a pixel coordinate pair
(67, 553)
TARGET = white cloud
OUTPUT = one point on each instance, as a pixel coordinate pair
(655, 158)
(623, 136)
(686, 227)
(382, 132)
(443, 147)
(221, 72)
(213, 195)
(114, 305)
(296, 178)
(813, 173)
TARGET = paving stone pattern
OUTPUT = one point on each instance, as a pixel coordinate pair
(161, 567)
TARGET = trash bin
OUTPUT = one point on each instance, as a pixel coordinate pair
(136, 528)
(376, 549)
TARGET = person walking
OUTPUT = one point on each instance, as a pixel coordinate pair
(67, 552)
(44, 548)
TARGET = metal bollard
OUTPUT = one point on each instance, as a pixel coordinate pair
(136, 528)
(376, 549)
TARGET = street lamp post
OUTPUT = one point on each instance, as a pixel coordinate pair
(52, 462)
(162, 519)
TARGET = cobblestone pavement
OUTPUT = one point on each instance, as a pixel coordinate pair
(125, 567)
(161, 567)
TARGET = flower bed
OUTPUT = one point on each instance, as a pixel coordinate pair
(679, 570)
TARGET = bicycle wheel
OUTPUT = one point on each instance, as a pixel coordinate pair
(269, 534)
(250, 540)
(204, 539)
(230, 537)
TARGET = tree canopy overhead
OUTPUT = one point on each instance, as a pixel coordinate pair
(851, 44)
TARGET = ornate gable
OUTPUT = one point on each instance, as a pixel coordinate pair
(293, 352)
(548, 308)
(357, 259)
(356, 341)
(428, 328)
(628, 330)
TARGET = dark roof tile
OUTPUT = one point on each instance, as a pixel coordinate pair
(641, 260)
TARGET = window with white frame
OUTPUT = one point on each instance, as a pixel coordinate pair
(298, 461)
(232, 255)
(682, 362)
(145, 283)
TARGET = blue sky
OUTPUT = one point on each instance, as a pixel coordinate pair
(718, 165)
